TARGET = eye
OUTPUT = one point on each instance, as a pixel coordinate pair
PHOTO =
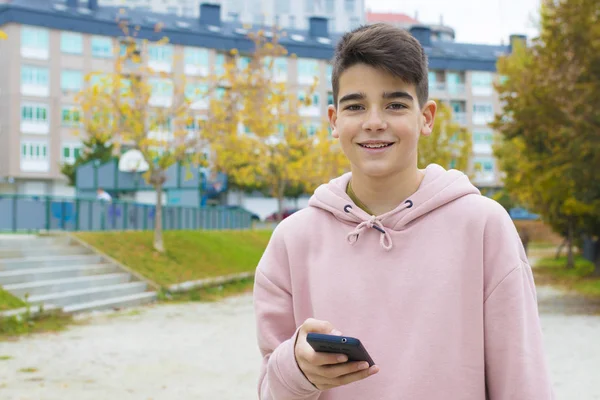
(354, 107)
(397, 106)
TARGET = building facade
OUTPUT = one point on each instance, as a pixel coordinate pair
(343, 15)
(51, 46)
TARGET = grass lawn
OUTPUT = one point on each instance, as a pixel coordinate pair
(214, 293)
(9, 302)
(579, 278)
(190, 255)
(12, 327)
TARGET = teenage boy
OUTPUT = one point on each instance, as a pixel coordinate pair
(427, 273)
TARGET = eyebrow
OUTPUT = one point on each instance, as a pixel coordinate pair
(386, 95)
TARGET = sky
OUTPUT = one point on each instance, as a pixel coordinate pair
(474, 21)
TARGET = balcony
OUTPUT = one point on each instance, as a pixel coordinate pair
(35, 53)
(195, 70)
(437, 87)
(35, 128)
(28, 165)
(35, 90)
(456, 89)
(161, 101)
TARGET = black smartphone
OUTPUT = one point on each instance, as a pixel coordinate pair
(349, 346)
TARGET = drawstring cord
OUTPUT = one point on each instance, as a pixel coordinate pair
(373, 222)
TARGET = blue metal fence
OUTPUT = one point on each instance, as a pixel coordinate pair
(38, 213)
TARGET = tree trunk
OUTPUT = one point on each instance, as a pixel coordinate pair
(570, 260)
(280, 198)
(596, 257)
(560, 247)
(158, 228)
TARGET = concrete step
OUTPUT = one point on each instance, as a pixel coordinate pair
(51, 273)
(59, 250)
(89, 294)
(112, 303)
(36, 288)
(18, 242)
(48, 261)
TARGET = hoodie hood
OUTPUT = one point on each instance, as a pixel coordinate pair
(438, 188)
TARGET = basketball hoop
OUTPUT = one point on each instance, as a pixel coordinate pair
(133, 161)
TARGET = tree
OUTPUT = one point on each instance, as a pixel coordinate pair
(550, 123)
(137, 107)
(95, 147)
(258, 133)
(449, 145)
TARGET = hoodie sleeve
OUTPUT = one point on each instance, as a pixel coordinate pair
(280, 377)
(515, 361)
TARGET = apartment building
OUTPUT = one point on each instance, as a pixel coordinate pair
(343, 15)
(51, 46)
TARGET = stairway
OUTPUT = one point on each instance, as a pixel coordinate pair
(56, 272)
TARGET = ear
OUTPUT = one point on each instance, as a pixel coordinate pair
(332, 115)
(428, 114)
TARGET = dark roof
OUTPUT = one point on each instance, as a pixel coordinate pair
(223, 35)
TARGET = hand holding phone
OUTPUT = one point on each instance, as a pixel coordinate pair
(327, 370)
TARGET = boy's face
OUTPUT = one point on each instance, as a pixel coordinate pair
(376, 108)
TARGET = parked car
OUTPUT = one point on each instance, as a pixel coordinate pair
(286, 213)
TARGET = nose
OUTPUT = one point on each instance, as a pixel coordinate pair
(374, 122)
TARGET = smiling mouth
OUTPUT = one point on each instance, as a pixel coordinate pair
(375, 146)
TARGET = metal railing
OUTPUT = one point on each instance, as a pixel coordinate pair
(20, 213)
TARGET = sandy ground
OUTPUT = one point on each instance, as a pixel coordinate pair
(208, 351)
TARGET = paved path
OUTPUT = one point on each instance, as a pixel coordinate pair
(208, 351)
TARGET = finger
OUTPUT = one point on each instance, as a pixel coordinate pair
(340, 370)
(320, 358)
(318, 326)
(356, 376)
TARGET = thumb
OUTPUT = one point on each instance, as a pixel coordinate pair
(318, 326)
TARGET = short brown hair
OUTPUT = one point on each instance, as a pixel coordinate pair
(385, 47)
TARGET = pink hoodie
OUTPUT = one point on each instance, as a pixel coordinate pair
(439, 291)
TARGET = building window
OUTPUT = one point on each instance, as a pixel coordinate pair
(34, 151)
(70, 116)
(160, 53)
(70, 153)
(483, 113)
(483, 137)
(37, 113)
(484, 165)
(308, 69)
(330, 98)
(196, 61)
(482, 83)
(354, 22)
(220, 64)
(349, 6)
(71, 81)
(71, 43)
(102, 47)
(34, 38)
(292, 22)
(34, 81)
(34, 43)
(195, 56)
(329, 73)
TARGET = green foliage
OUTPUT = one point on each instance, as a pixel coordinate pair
(550, 123)
(449, 145)
(94, 148)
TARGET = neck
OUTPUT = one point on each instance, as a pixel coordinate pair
(383, 194)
